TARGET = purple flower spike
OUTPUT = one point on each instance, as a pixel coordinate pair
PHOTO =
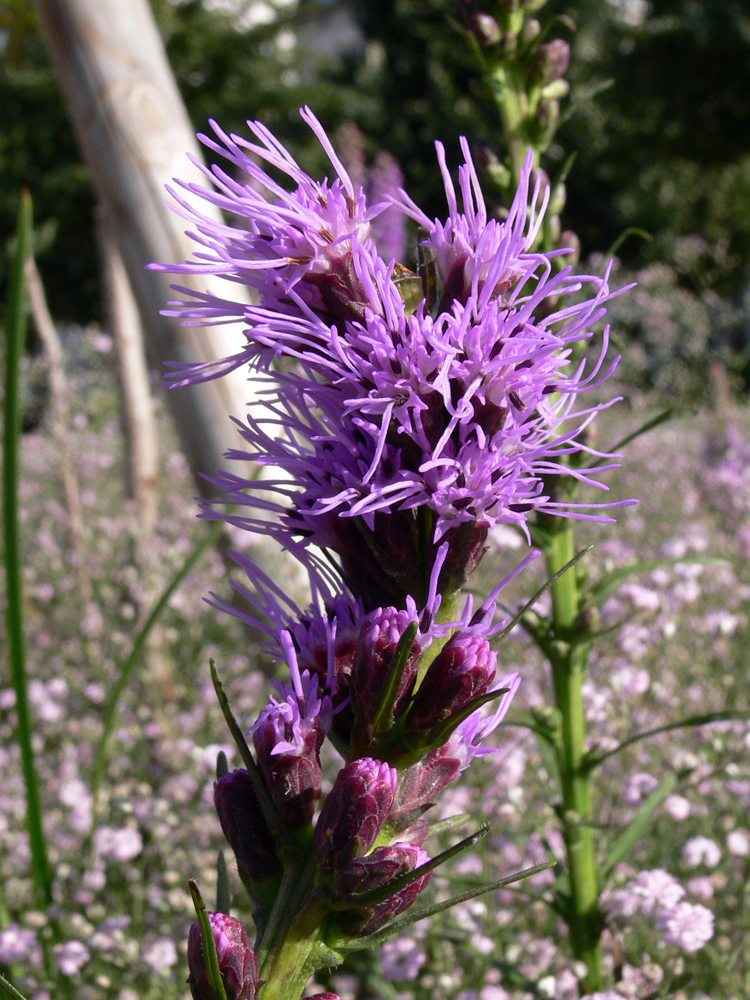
(238, 964)
(354, 812)
(462, 671)
(246, 829)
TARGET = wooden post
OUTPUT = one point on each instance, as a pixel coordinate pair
(134, 133)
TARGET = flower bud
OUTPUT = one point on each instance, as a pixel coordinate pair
(467, 546)
(461, 672)
(553, 59)
(246, 829)
(369, 919)
(238, 964)
(354, 812)
(485, 29)
(420, 785)
(288, 747)
(378, 868)
(323, 996)
(376, 646)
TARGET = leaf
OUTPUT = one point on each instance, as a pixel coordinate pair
(223, 895)
(672, 413)
(594, 760)
(354, 944)
(384, 716)
(600, 592)
(209, 945)
(9, 990)
(135, 658)
(278, 830)
(15, 332)
(639, 824)
(545, 586)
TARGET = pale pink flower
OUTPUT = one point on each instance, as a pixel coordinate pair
(738, 843)
(688, 925)
(701, 851)
(71, 957)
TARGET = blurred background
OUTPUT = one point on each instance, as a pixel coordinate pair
(658, 117)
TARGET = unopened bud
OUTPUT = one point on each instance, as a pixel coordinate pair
(553, 59)
(420, 785)
(485, 29)
(246, 829)
(378, 868)
(354, 812)
(369, 919)
(373, 658)
(292, 775)
(238, 964)
(461, 672)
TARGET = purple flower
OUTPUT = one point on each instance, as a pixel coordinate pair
(369, 919)
(463, 408)
(238, 964)
(462, 671)
(288, 736)
(376, 646)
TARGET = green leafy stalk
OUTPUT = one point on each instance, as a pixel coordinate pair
(15, 334)
(9, 990)
(568, 655)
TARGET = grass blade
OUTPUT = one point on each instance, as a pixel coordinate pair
(15, 336)
(129, 666)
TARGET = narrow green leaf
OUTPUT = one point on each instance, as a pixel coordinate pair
(354, 944)
(135, 658)
(545, 586)
(594, 760)
(209, 945)
(223, 894)
(639, 824)
(9, 990)
(600, 592)
(269, 811)
(16, 336)
(379, 895)
(672, 413)
(384, 715)
(222, 765)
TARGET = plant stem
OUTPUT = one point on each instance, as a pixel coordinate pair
(16, 330)
(568, 662)
(290, 936)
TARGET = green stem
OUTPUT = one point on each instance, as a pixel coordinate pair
(290, 936)
(16, 330)
(568, 662)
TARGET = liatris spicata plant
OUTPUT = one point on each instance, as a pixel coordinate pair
(403, 415)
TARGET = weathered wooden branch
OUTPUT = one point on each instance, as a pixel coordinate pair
(60, 415)
(138, 412)
(134, 133)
